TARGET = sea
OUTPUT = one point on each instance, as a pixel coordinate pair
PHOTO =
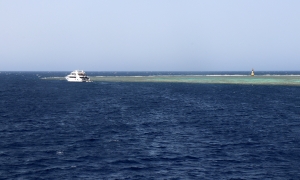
(150, 125)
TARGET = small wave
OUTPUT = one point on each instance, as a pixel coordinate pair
(59, 152)
(281, 75)
(227, 75)
(125, 76)
(51, 77)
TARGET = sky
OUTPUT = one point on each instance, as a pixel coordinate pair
(149, 35)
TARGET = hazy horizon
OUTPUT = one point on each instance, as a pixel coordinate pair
(134, 35)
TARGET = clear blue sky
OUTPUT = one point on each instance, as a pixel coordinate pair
(149, 35)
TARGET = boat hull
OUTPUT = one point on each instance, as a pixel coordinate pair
(77, 80)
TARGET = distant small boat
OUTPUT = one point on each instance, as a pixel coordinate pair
(252, 73)
(78, 76)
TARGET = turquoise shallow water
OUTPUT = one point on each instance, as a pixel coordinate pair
(267, 80)
(204, 79)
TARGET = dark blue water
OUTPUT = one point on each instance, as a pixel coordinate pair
(53, 129)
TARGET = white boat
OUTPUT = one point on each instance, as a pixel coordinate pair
(78, 76)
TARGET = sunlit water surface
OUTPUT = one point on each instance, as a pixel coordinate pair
(150, 125)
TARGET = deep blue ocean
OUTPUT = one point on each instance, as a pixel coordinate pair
(54, 129)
